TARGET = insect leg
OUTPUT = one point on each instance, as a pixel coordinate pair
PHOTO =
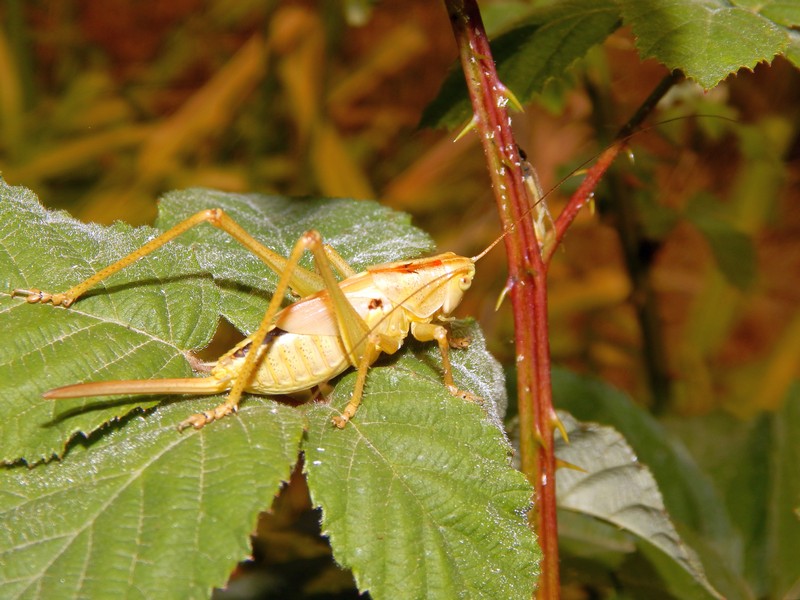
(361, 346)
(351, 326)
(427, 332)
(301, 281)
(250, 363)
(355, 400)
(338, 263)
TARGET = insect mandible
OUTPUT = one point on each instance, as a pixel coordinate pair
(335, 325)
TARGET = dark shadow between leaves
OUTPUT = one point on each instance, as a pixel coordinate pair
(224, 284)
(104, 402)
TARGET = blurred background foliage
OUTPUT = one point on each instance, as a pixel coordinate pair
(682, 288)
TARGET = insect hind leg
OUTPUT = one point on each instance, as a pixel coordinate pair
(246, 371)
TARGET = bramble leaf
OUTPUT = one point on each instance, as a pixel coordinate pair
(141, 509)
(707, 40)
(614, 487)
(142, 321)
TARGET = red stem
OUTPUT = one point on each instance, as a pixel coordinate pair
(527, 278)
(527, 267)
(582, 194)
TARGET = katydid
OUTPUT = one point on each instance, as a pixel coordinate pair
(334, 325)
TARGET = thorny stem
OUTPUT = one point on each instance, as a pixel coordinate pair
(527, 278)
(527, 269)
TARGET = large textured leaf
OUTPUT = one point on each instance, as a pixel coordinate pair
(690, 497)
(139, 330)
(707, 39)
(785, 14)
(614, 487)
(142, 511)
(419, 497)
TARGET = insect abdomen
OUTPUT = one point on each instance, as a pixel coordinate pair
(293, 363)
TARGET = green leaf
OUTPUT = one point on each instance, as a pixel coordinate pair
(616, 488)
(690, 497)
(537, 51)
(707, 39)
(783, 12)
(736, 454)
(793, 52)
(754, 463)
(142, 510)
(419, 498)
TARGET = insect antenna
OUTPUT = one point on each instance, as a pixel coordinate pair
(539, 197)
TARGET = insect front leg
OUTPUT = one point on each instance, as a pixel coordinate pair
(428, 332)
